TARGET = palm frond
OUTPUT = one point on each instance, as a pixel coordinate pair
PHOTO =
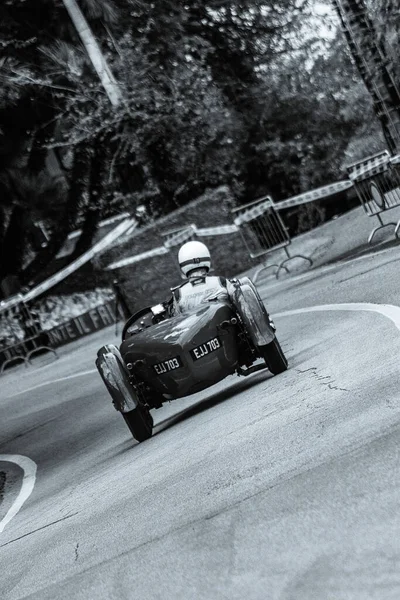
(68, 59)
(105, 10)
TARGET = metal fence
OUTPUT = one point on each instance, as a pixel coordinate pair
(21, 336)
(376, 180)
(263, 231)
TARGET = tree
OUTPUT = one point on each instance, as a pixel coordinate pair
(244, 94)
(36, 91)
(93, 49)
(370, 56)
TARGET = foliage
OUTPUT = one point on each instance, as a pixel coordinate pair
(247, 94)
(386, 17)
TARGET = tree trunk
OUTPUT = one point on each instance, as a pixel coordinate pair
(46, 123)
(94, 52)
(98, 185)
(13, 244)
(76, 198)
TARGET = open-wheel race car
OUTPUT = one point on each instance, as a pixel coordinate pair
(164, 357)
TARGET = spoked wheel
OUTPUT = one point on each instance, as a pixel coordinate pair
(140, 423)
(274, 357)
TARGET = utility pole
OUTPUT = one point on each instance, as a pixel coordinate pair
(94, 51)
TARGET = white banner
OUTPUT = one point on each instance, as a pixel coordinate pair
(174, 240)
(180, 237)
(219, 230)
(252, 213)
(121, 229)
(371, 165)
(130, 260)
(318, 194)
(11, 302)
(104, 223)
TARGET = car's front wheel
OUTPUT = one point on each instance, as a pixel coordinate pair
(274, 357)
(140, 423)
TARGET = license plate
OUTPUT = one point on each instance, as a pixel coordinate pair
(206, 348)
(168, 365)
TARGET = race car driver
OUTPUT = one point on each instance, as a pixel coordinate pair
(195, 262)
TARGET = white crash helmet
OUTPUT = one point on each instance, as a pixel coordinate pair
(194, 255)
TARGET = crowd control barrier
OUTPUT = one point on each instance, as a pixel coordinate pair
(376, 180)
(21, 336)
(263, 231)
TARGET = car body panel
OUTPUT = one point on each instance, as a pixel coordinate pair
(164, 356)
(252, 311)
(116, 379)
(186, 353)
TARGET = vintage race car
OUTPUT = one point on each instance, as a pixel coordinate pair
(164, 357)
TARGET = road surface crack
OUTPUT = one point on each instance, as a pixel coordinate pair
(281, 479)
(38, 529)
(323, 379)
(76, 551)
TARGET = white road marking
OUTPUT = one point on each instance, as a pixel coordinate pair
(45, 383)
(295, 278)
(368, 255)
(390, 311)
(387, 310)
(322, 269)
(29, 468)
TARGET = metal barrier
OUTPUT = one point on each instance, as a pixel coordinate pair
(376, 180)
(263, 231)
(21, 336)
(177, 236)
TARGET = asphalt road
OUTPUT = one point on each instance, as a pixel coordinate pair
(281, 488)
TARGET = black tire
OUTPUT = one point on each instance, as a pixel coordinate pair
(140, 423)
(274, 357)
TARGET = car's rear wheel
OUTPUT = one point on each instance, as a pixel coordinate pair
(140, 423)
(274, 357)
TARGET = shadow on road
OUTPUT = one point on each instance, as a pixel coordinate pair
(211, 401)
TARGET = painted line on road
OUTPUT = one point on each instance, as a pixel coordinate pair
(367, 255)
(45, 383)
(390, 311)
(29, 468)
(323, 269)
